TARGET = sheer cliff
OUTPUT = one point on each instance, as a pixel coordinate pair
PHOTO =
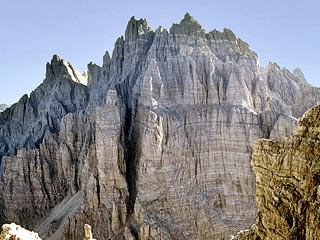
(155, 144)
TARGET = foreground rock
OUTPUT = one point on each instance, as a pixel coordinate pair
(288, 184)
(15, 232)
(157, 145)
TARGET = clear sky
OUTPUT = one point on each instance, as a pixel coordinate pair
(80, 31)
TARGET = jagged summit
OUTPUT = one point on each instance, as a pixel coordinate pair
(136, 28)
(188, 18)
(296, 73)
(59, 68)
(106, 58)
(187, 26)
(299, 74)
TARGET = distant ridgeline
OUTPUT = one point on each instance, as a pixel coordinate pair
(154, 144)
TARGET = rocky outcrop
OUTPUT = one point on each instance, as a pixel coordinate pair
(288, 185)
(157, 145)
(15, 232)
(3, 107)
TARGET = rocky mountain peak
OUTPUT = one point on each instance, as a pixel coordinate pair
(299, 74)
(106, 58)
(59, 68)
(273, 66)
(188, 19)
(187, 26)
(118, 48)
(229, 35)
(136, 28)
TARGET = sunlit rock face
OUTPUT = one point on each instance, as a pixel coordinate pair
(16, 232)
(288, 186)
(156, 145)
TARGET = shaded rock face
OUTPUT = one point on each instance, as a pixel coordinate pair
(288, 185)
(25, 123)
(157, 145)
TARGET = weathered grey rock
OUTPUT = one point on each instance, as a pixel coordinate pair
(159, 143)
(25, 123)
(284, 127)
(299, 74)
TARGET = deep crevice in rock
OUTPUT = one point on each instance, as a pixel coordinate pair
(130, 158)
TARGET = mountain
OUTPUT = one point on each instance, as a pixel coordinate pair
(155, 144)
(3, 107)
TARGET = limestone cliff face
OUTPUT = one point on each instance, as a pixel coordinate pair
(288, 183)
(157, 145)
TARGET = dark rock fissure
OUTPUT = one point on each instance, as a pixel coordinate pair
(130, 158)
(98, 187)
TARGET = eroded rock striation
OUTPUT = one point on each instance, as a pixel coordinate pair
(288, 184)
(156, 145)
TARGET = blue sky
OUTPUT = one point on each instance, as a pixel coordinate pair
(80, 31)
